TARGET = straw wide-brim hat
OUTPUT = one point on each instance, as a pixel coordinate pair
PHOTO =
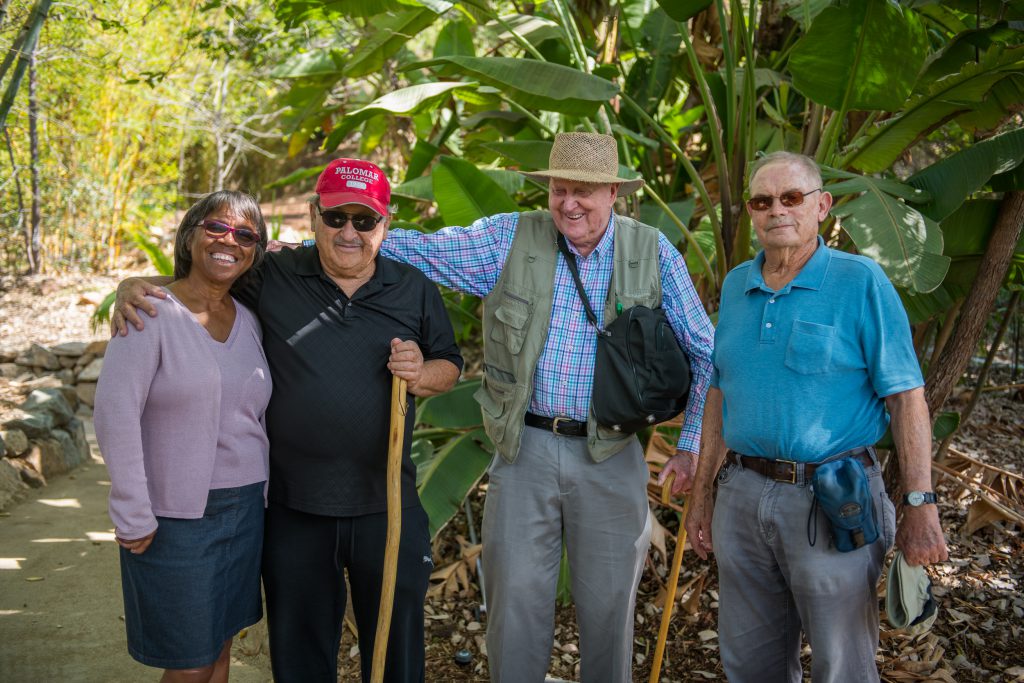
(586, 158)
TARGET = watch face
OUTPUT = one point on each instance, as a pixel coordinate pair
(915, 498)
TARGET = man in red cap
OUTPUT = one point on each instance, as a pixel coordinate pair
(338, 320)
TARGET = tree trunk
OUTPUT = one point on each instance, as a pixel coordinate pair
(35, 25)
(978, 304)
(35, 229)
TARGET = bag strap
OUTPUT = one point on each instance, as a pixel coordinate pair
(570, 260)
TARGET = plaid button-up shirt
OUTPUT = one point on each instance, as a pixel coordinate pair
(470, 259)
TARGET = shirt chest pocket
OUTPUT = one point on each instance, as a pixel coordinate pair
(810, 348)
(512, 322)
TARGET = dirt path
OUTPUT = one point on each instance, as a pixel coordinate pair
(61, 616)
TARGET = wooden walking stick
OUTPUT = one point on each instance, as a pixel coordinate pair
(396, 440)
(673, 579)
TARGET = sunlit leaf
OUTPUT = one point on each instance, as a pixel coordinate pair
(531, 83)
(464, 193)
(861, 55)
(390, 34)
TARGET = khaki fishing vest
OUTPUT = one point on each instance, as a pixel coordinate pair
(517, 313)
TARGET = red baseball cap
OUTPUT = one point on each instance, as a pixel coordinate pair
(354, 181)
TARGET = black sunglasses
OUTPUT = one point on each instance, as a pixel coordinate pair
(360, 221)
(787, 199)
(244, 237)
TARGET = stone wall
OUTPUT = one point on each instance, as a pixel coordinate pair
(44, 395)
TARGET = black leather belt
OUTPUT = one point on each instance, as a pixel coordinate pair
(559, 425)
(790, 471)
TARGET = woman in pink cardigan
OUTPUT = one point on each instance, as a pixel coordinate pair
(179, 420)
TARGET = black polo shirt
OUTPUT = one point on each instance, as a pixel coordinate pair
(329, 412)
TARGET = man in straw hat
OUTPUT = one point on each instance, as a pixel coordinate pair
(555, 478)
(813, 359)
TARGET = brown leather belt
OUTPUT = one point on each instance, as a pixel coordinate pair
(790, 471)
(562, 426)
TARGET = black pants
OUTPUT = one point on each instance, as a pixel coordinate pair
(304, 556)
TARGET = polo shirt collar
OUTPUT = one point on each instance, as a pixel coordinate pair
(811, 276)
(385, 273)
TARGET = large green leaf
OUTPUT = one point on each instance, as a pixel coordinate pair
(966, 231)
(533, 28)
(390, 35)
(455, 39)
(861, 55)
(403, 102)
(450, 474)
(533, 84)
(683, 10)
(455, 409)
(956, 177)
(530, 155)
(904, 243)
(296, 12)
(464, 193)
(946, 98)
(422, 188)
(653, 215)
(854, 184)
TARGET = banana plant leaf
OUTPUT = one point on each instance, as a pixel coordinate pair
(653, 215)
(532, 84)
(295, 12)
(945, 99)
(322, 62)
(422, 188)
(907, 245)
(530, 155)
(455, 39)
(455, 409)
(449, 475)
(402, 102)
(391, 33)
(862, 55)
(464, 193)
(531, 27)
(683, 10)
(953, 179)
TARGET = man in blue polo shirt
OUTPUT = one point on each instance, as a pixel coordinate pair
(813, 358)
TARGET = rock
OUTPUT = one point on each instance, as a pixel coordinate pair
(73, 455)
(91, 372)
(15, 442)
(7, 355)
(10, 370)
(97, 348)
(27, 473)
(83, 360)
(86, 392)
(38, 356)
(76, 428)
(52, 401)
(68, 361)
(70, 349)
(11, 486)
(66, 376)
(44, 382)
(33, 424)
(47, 456)
(70, 395)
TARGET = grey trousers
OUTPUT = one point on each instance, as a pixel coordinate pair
(773, 583)
(554, 491)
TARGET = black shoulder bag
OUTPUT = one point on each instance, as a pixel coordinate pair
(641, 375)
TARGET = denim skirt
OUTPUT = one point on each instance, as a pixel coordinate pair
(197, 584)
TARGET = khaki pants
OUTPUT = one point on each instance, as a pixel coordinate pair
(773, 583)
(554, 491)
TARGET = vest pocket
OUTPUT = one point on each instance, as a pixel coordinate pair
(810, 348)
(513, 317)
(494, 398)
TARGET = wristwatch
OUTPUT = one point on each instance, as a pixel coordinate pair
(918, 498)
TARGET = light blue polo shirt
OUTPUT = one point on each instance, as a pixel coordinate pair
(804, 371)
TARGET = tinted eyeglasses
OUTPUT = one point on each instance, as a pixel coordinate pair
(360, 221)
(244, 237)
(787, 199)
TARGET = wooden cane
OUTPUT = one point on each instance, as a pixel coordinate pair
(673, 579)
(387, 590)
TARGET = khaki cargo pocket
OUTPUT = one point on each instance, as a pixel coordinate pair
(810, 348)
(513, 315)
(494, 398)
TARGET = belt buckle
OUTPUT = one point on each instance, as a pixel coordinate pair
(554, 423)
(792, 471)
